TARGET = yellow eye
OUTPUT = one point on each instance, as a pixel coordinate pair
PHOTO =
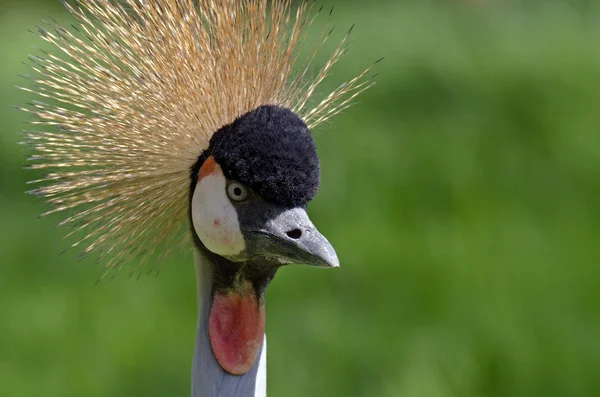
(236, 191)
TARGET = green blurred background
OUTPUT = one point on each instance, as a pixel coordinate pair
(462, 194)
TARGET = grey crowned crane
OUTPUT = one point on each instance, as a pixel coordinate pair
(160, 116)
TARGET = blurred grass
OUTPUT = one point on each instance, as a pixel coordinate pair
(462, 194)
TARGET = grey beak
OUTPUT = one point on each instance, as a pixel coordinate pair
(293, 239)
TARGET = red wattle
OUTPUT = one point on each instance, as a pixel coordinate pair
(236, 329)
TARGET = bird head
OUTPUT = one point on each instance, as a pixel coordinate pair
(248, 198)
(250, 190)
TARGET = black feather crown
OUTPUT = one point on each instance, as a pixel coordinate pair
(271, 150)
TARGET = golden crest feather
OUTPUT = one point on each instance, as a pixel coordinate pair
(135, 92)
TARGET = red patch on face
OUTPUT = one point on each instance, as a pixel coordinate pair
(237, 329)
(217, 222)
(209, 166)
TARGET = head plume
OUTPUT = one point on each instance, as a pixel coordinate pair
(131, 96)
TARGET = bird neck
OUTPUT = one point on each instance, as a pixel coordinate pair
(208, 378)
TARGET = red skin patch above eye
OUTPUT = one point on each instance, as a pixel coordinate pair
(237, 329)
(209, 166)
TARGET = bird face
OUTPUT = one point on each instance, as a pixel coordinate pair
(233, 221)
(248, 209)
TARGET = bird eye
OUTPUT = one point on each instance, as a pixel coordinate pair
(236, 191)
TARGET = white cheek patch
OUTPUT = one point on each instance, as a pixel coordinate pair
(215, 218)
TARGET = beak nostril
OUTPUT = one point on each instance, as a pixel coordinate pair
(295, 234)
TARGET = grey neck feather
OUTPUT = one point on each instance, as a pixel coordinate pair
(208, 378)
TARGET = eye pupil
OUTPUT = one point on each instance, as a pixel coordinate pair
(237, 191)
